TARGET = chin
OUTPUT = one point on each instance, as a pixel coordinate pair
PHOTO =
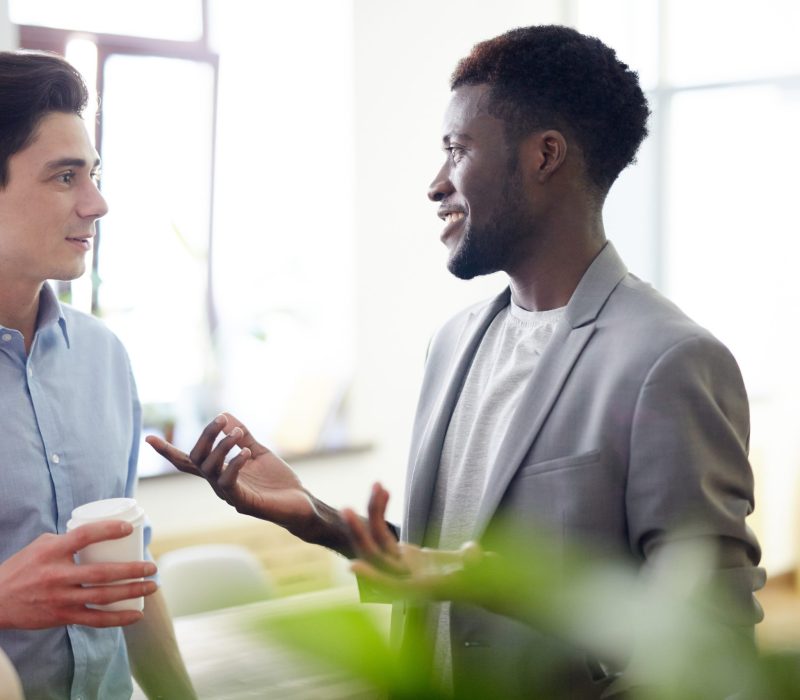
(68, 275)
(467, 269)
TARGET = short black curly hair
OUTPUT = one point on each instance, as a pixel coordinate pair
(551, 76)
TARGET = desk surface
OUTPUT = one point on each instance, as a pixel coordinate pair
(227, 661)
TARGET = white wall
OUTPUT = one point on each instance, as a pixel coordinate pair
(405, 52)
(9, 39)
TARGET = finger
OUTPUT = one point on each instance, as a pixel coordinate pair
(416, 588)
(109, 572)
(104, 595)
(471, 554)
(246, 439)
(386, 582)
(365, 546)
(212, 466)
(205, 442)
(180, 460)
(85, 535)
(87, 617)
(227, 480)
(377, 521)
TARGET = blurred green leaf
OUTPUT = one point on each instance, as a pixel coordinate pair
(663, 624)
(349, 639)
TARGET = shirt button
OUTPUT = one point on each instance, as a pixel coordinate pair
(6, 337)
(56, 459)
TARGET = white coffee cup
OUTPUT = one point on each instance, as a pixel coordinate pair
(125, 549)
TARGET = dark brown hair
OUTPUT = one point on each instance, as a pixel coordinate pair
(33, 84)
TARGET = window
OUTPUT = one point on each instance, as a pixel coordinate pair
(709, 208)
(258, 317)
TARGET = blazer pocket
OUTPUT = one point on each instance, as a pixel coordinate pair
(559, 464)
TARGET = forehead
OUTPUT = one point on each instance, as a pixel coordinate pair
(58, 135)
(467, 114)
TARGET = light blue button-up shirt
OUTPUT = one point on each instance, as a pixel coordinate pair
(69, 434)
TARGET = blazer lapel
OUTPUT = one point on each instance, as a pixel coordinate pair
(544, 387)
(425, 466)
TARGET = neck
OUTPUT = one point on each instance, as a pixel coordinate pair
(548, 274)
(19, 308)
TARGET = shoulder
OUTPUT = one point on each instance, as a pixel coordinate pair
(638, 314)
(90, 335)
(647, 339)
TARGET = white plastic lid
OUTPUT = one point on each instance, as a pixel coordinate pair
(108, 509)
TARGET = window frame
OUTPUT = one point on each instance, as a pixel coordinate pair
(55, 40)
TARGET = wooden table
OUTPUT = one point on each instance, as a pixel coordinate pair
(228, 661)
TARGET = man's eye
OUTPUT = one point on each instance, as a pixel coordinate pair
(66, 178)
(96, 177)
(454, 153)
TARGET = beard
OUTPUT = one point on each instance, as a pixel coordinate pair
(493, 246)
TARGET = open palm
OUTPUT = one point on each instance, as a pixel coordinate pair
(256, 481)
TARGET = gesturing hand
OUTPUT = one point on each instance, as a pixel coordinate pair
(404, 570)
(42, 586)
(256, 481)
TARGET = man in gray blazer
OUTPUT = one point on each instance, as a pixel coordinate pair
(578, 402)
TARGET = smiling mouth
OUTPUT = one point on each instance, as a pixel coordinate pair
(453, 216)
(83, 242)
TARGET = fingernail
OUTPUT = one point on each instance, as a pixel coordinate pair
(221, 419)
(236, 433)
(125, 528)
(149, 569)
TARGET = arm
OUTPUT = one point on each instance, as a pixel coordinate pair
(42, 586)
(155, 660)
(258, 483)
(689, 475)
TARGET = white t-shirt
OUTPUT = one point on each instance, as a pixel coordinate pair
(506, 358)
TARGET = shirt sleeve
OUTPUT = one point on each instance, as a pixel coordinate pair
(133, 457)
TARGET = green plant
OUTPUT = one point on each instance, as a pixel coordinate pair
(665, 625)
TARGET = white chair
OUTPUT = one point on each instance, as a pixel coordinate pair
(208, 577)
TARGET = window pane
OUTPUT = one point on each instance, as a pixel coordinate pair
(284, 212)
(721, 40)
(153, 254)
(176, 19)
(733, 233)
(629, 212)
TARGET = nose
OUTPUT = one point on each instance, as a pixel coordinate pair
(93, 205)
(441, 186)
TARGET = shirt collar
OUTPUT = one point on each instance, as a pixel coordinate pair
(50, 312)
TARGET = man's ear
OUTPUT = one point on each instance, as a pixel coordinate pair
(543, 153)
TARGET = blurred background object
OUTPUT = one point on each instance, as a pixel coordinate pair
(210, 577)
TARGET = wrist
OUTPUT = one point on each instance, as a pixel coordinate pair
(325, 527)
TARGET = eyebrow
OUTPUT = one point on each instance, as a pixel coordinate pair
(70, 162)
(449, 137)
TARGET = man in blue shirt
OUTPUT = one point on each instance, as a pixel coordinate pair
(69, 415)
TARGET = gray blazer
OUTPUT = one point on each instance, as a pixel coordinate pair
(635, 421)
